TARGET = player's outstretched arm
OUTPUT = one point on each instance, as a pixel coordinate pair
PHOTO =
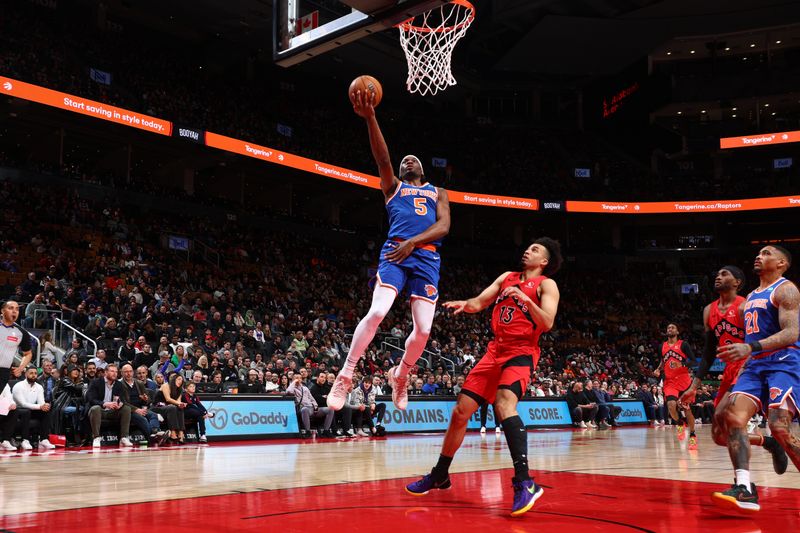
(480, 302)
(365, 108)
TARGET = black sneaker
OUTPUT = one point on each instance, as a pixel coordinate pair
(738, 498)
(779, 460)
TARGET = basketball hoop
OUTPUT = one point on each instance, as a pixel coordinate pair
(428, 41)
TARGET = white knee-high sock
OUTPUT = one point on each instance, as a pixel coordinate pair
(422, 312)
(382, 300)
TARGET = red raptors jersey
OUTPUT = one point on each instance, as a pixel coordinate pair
(515, 331)
(728, 328)
(673, 360)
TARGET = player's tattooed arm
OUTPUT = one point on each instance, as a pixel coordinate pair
(788, 301)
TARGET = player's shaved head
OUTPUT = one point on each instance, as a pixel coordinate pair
(787, 255)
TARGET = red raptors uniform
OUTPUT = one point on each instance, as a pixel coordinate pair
(676, 375)
(514, 352)
(728, 327)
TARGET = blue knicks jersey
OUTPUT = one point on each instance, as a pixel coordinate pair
(412, 210)
(761, 317)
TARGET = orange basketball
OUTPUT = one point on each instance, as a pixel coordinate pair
(366, 84)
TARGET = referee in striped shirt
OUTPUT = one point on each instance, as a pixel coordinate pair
(12, 338)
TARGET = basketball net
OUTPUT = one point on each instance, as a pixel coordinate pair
(428, 41)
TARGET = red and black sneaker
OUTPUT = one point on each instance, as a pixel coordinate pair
(737, 498)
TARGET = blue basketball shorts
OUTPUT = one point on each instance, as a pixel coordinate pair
(772, 381)
(418, 273)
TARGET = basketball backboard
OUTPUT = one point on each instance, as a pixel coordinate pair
(307, 28)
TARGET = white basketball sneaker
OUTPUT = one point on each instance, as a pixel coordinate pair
(338, 394)
(399, 387)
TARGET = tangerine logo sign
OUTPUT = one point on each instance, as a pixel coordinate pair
(430, 291)
(759, 139)
(774, 393)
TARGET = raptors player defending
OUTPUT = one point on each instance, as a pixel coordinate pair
(770, 380)
(676, 380)
(419, 217)
(724, 325)
(525, 305)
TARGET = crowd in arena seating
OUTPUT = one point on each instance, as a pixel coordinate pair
(277, 315)
(511, 159)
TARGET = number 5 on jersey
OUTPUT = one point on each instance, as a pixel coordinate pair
(420, 207)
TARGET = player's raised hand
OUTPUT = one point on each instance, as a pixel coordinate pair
(363, 104)
(456, 305)
(734, 352)
(400, 252)
(516, 292)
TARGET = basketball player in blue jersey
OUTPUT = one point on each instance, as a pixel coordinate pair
(770, 380)
(419, 217)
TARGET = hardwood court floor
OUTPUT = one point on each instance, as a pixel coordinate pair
(631, 479)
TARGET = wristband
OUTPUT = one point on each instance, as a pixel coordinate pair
(755, 346)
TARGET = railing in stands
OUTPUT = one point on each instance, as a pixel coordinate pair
(209, 254)
(60, 328)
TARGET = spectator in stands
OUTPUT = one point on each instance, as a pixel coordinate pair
(49, 350)
(270, 382)
(48, 380)
(416, 389)
(320, 390)
(215, 385)
(582, 410)
(29, 397)
(8, 422)
(76, 348)
(69, 395)
(459, 385)
(169, 404)
(146, 357)
(230, 372)
(649, 402)
(31, 312)
(107, 400)
(252, 385)
(139, 402)
(195, 410)
(308, 408)
(127, 352)
(99, 360)
(661, 408)
(703, 406)
(601, 392)
(430, 387)
(603, 411)
(143, 375)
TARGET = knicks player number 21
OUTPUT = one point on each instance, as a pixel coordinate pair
(751, 322)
